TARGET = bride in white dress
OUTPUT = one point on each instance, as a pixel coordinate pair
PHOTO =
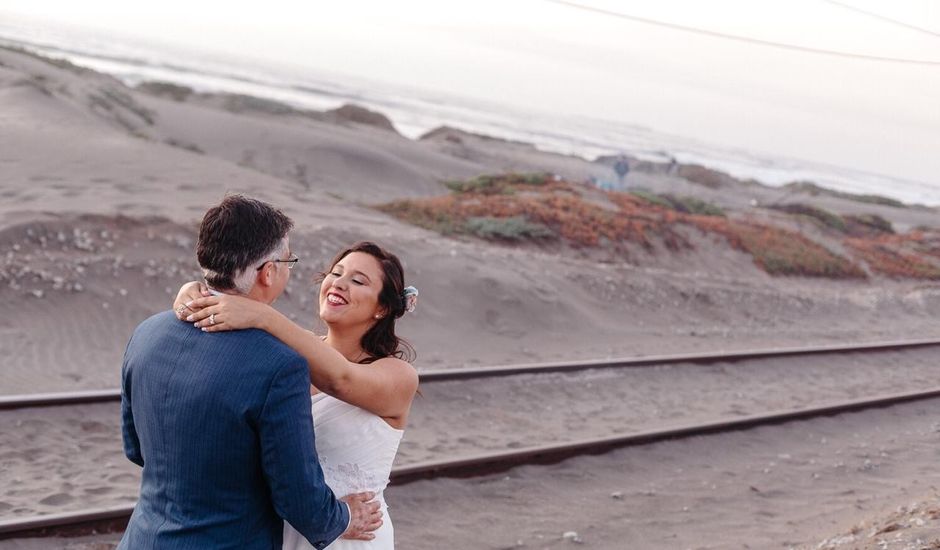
(363, 387)
(356, 450)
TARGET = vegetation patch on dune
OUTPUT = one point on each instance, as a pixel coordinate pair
(540, 208)
(176, 92)
(860, 225)
(779, 251)
(871, 239)
(514, 228)
(821, 216)
(357, 114)
(687, 205)
(552, 212)
(815, 190)
(892, 262)
(498, 185)
(868, 225)
(913, 255)
(709, 177)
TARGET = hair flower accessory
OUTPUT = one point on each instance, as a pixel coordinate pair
(410, 298)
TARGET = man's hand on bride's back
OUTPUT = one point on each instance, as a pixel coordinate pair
(364, 516)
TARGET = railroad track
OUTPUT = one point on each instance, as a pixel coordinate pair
(115, 518)
(431, 376)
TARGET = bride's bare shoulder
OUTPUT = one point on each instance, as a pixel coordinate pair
(400, 369)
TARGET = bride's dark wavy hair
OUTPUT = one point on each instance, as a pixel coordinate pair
(380, 340)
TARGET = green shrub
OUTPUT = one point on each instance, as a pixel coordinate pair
(869, 223)
(824, 217)
(538, 178)
(814, 189)
(516, 228)
(692, 205)
(651, 198)
(497, 185)
(240, 103)
(165, 89)
(688, 205)
(487, 185)
(713, 179)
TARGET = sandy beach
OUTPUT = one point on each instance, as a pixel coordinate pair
(102, 190)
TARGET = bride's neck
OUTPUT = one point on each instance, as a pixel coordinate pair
(347, 344)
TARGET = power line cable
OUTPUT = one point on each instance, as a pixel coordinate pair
(884, 18)
(758, 41)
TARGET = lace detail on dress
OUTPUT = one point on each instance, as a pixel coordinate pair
(348, 478)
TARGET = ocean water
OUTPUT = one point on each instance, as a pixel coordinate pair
(415, 111)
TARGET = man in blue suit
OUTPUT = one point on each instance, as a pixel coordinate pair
(221, 422)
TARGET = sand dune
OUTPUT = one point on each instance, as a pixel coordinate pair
(79, 284)
(74, 143)
(358, 163)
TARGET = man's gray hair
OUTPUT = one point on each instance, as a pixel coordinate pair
(245, 279)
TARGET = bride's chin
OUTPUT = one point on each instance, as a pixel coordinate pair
(328, 316)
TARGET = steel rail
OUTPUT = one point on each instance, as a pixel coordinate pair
(56, 399)
(441, 375)
(101, 520)
(116, 518)
(656, 360)
(486, 463)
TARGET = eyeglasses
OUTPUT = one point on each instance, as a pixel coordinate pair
(289, 261)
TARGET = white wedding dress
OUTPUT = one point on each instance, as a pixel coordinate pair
(356, 450)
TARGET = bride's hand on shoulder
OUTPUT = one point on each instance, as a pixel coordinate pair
(188, 292)
(228, 312)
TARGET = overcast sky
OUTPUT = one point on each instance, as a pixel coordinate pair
(875, 116)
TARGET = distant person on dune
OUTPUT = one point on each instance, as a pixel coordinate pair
(622, 168)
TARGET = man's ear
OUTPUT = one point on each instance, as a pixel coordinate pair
(265, 276)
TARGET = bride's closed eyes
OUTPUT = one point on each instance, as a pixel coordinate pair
(356, 281)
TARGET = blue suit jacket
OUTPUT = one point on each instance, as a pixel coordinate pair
(221, 424)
